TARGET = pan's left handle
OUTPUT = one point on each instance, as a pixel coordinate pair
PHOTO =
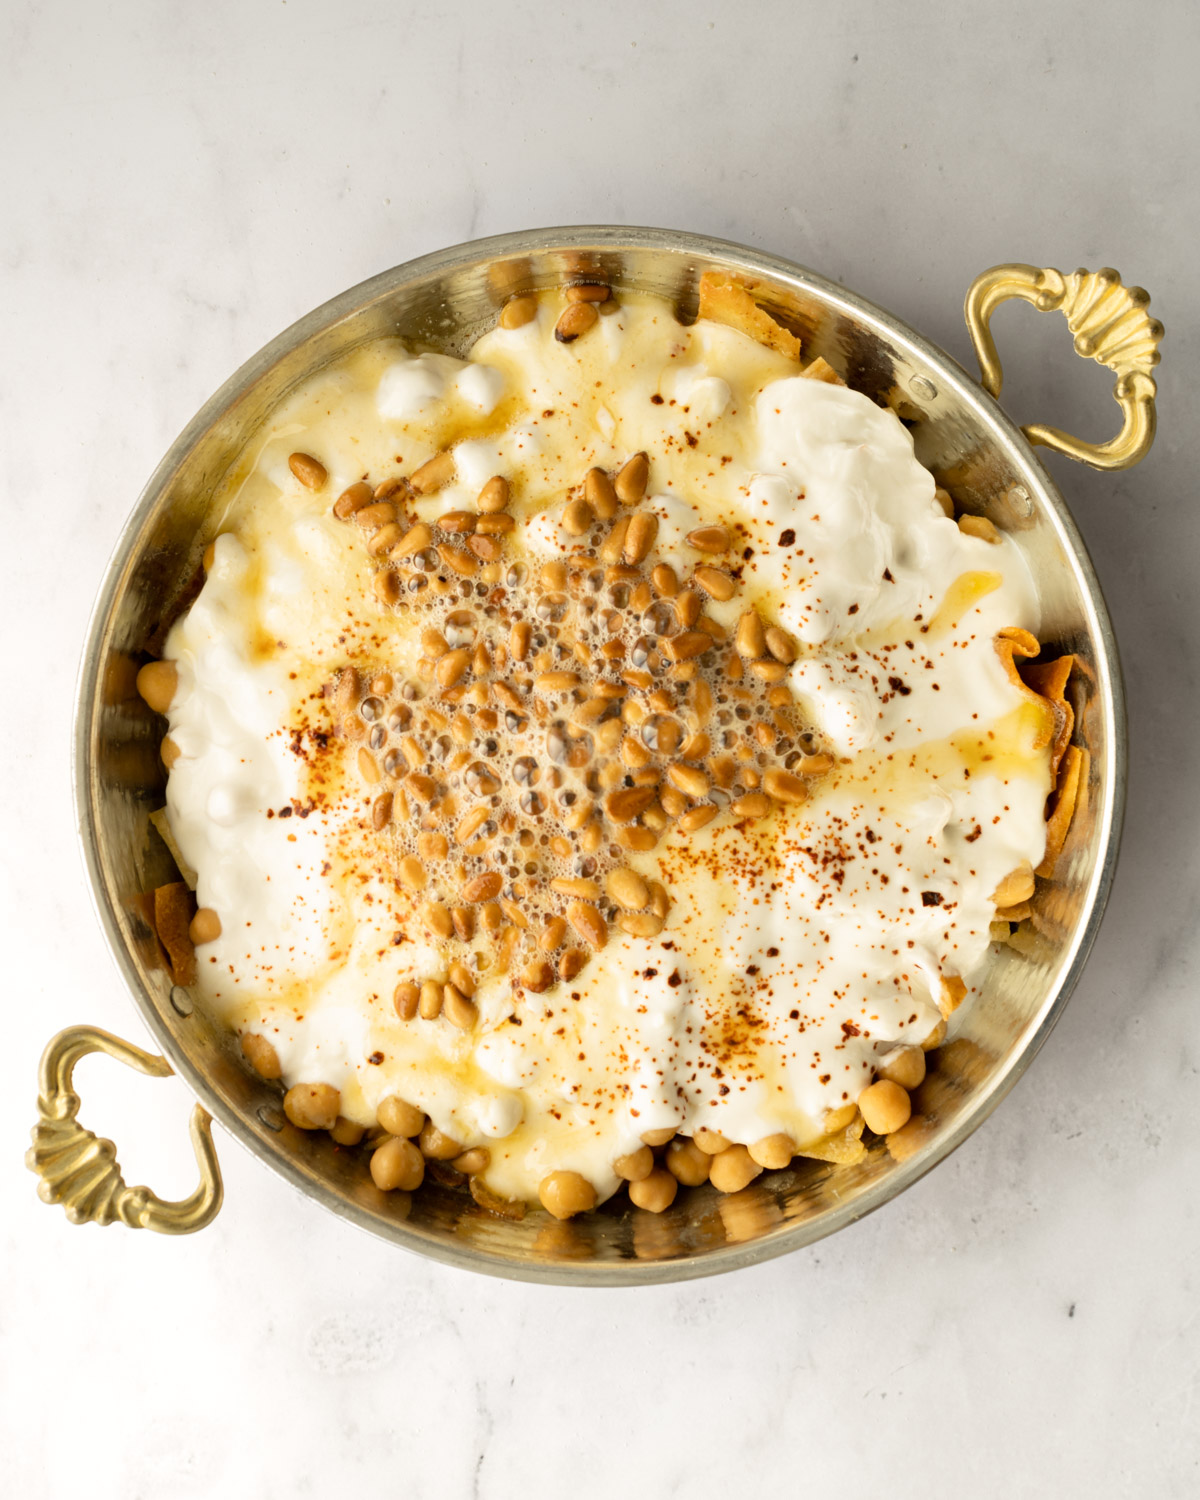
(80, 1171)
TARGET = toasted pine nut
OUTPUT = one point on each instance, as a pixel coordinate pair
(783, 786)
(685, 647)
(261, 1056)
(630, 483)
(709, 538)
(354, 498)
(469, 826)
(588, 923)
(458, 561)
(368, 767)
(666, 584)
(578, 517)
(372, 517)
(623, 806)
(415, 539)
(640, 536)
(690, 780)
(576, 320)
(405, 1000)
(494, 496)
(452, 666)
(389, 487)
(435, 473)
(752, 805)
(613, 544)
(599, 493)
(768, 671)
(780, 645)
(458, 1010)
(751, 639)
(438, 920)
(518, 311)
(716, 584)
(486, 886)
(537, 976)
(430, 1004)
(381, 810)
(157, 682)
(585, 890)
(555, 682)
(627, 888)
(636, 838)
(570, 963)
(518, 641)
(310, 471)
(386, 586)
(697, 817)
(552, 935)
(640, 924)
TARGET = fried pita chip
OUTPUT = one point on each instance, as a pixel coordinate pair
(726, 298)
(1048, 679)
(173, 911)
(163, 827)
(1062, 806)
(1012, 642)
(822, 370)
(952, 991)
(843, 1147)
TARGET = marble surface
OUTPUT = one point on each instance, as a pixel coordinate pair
(180, 182)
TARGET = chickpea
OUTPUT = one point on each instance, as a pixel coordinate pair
(398, 1117)
(346, 1132)
(687, 1163)
(710, 1141)
(936, 1037)
(473, 1161)
(565, 1194)
(205, 926)
(885, 1106)
(397, 1164)
(437, 1145)
(903, 1065)
(261, 1055)
(658, 1137)
(169, 751)
(157, 682)
(312, 1106)
(773, 1151)
(635, 1167)
(655, 1192)
(733, 1169)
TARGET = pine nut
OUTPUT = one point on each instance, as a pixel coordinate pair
(635, 838)
(414, 540)
(555, 682)
(494, 496)
(783, 786)
(614, 543)
(389, 487)
(433, 474)
(640, 536)
(381, 810)
(537, 976)
(688, 608)
(368, 769)
(780, 645)
(768, 671)
(452, 667)
(709, 539)
(623, 805)
(384, 539)
(405, 1001)
(571, 963)
(386, 586)
(688, 779)
(470, 826)
(684, 647)
(458, 561)
(310, 471)
(666, 584)
(600, 495)
(627, 888)
(752, 805)
(586, 890)
(588, 923)
(697, 817)
(660, 902)
(372, 517)
(630, 483)
(576, 320)
(814, 765)
(432, 846)
(750, 639)
(640, 924)
(518, 311)
(429, 1007)
(578, 517)
(716, 584)
(518, 641)
(457, 1009)
(552, 935)
(354, 498)
(483, 887)
(497, 525)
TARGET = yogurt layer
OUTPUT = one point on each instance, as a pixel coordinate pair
(798, 949)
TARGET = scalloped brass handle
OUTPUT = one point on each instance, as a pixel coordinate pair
(1110, 323)
(80, 1171)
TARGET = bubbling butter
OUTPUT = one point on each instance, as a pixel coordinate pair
(798, 949)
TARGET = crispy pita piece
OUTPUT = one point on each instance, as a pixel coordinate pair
(1062, 805)
(1016, 913)
(1048, 679)
(822, 370)
(729, 299)
(173, 911)
(844, 1147)
(503, 1208)
(952, 991)
(160, 822)
(142, 902)
(1012, 642)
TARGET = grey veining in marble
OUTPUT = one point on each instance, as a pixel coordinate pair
(180, 182)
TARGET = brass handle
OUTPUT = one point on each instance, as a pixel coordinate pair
(80, 1171)
(1111, 325)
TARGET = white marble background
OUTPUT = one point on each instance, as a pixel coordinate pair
(180, 182)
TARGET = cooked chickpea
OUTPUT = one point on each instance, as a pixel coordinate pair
(636, 1166)
(733, 1169)
(346, 1132)
(773, 1151)
(205, 926)
(397, 1164)
(565, 1194)
(472, 1161)
(312, 1106)
(658, 1137)
(261, 1055)
(903, 1065)
(687, 1163)
(885, 1106)
(399, 1117)
(710, 1141)
(654, 1193)
(169, 751)
(437, 1145)
(157, 682)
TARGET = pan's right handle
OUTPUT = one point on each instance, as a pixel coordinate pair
(1111, 324)
(80, 1171)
